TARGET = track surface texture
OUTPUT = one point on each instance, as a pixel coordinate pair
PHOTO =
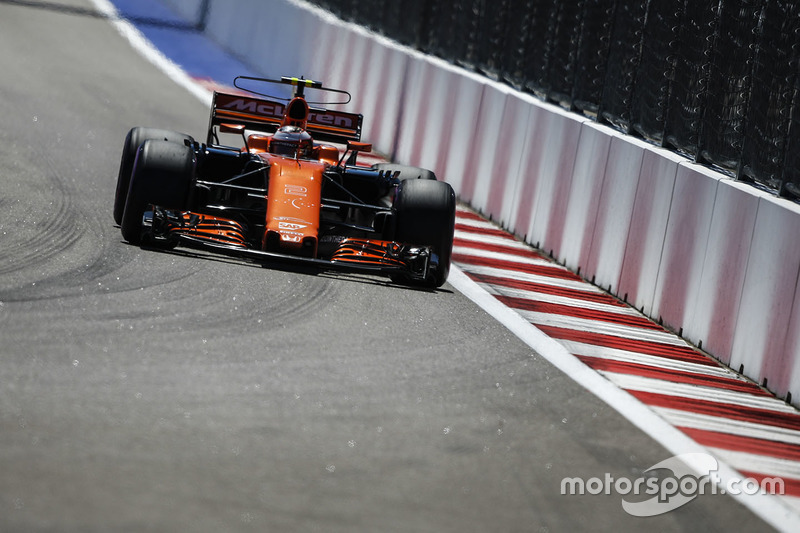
(143, 390)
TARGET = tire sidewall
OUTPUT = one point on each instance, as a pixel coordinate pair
(162, 175)
(425, 216)
(133, 141)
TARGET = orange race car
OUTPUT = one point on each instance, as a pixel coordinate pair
(285, 195)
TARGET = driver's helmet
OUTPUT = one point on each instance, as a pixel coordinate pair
(291, 141)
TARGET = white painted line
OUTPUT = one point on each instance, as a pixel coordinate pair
(794, 501)
(772, 510)
(151, 53)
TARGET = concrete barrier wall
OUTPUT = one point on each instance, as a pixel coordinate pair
(546, 177)
(713, 259)
(762, 342)
(614, 213)
(648, 228)
(586, 186)
(191, 10)
(712, 319)
(684, 244)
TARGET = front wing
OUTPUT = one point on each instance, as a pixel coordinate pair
(226, 237)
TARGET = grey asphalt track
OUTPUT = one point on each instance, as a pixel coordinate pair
(142, 390)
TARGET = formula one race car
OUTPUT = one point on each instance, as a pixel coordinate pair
(285, 196)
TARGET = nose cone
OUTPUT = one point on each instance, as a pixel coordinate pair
(294, 199)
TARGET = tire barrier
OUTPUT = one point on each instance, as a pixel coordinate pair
(714, 260)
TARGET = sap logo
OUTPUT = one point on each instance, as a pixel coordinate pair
(267, 109)
(291, 226)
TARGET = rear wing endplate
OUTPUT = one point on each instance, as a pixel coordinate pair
(266, 115)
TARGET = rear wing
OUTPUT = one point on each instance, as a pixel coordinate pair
(266, 116)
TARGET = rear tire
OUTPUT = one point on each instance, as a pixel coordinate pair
(134, 139)
(406, 172)
(162, 175)
(425, 214)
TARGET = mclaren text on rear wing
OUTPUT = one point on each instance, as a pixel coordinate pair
(265, 115)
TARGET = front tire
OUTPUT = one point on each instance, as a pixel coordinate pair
(134, 139)
(425, 214)
(162, 175)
